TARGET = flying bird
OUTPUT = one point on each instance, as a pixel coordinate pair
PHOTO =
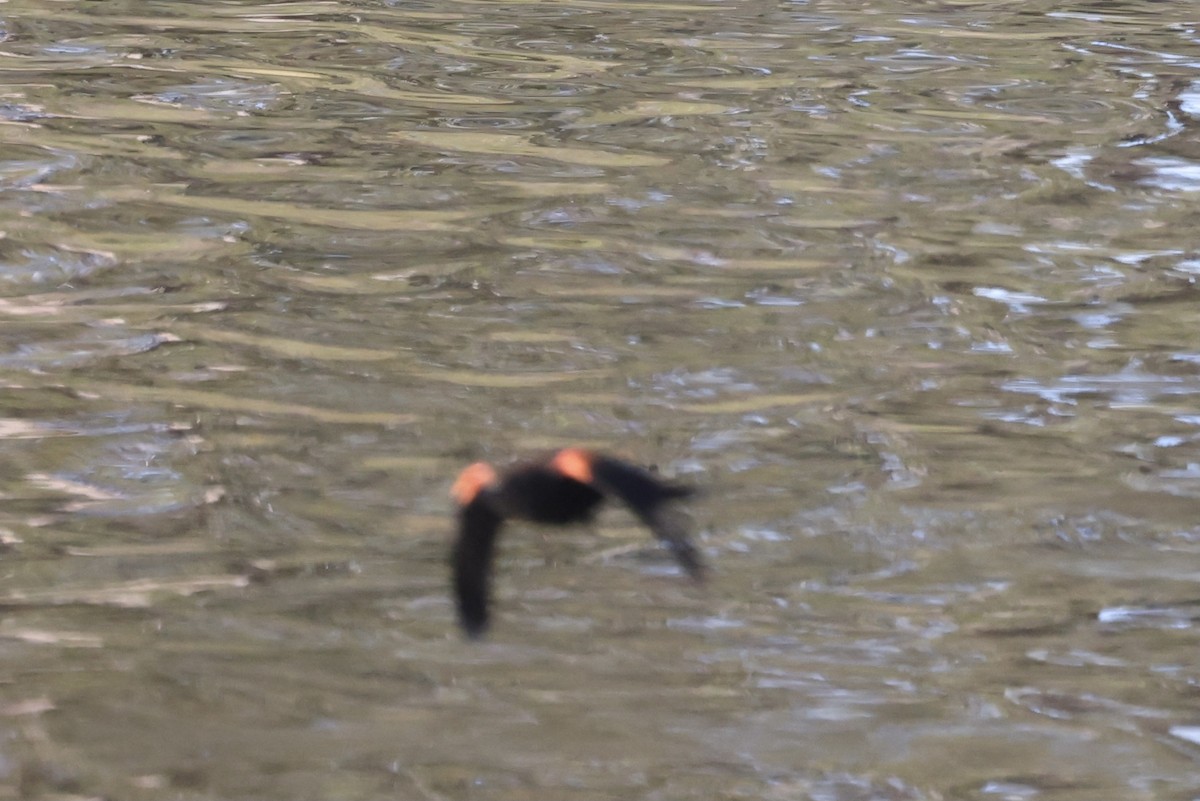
(565, 488)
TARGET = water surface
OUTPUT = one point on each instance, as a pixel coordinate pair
(907, 289)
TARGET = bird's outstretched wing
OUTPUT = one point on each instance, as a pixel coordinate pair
(649, 498)
(472, 565)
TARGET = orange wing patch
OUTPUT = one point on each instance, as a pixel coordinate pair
(574, 463)
(471, 481)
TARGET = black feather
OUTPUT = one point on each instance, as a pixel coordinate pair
(472, 564)
(542, 495)
(649, 499)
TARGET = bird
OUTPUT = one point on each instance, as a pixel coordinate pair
(565, 487)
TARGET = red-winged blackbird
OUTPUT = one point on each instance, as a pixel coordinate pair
(565, 488)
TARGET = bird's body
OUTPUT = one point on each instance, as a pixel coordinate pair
(566, 488)
(541, 494)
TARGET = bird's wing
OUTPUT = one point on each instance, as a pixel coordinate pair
(649, 499)
(472, 565)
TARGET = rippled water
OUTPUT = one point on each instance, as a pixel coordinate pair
(907, 288)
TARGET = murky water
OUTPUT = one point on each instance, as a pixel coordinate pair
(907, 288)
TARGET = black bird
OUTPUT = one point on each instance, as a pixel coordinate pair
(565, 488)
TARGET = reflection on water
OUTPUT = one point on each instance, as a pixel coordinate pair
(908, 289)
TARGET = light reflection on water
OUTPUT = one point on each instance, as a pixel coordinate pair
(907, 291)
